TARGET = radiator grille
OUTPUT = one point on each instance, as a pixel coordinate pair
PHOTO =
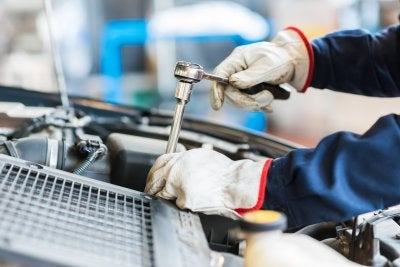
(54, 217)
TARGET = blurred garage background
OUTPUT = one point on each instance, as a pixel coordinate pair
(124, 51)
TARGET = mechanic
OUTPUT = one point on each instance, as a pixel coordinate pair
(345, 175)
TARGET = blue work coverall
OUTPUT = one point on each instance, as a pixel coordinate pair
(345, 174)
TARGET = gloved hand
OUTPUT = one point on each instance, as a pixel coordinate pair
(288, 58)
(204, 180)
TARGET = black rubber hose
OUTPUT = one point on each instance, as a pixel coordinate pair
(319, 231)
(389, 251)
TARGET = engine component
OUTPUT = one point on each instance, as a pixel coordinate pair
(366, 249)
(42, 150)
(55, 154)
(53, 218)
(132, 157)
(93, 147)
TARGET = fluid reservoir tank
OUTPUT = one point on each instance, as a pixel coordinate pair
(268, 246)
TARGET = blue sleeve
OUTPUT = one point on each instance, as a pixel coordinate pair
(355, 61)
(345, 175)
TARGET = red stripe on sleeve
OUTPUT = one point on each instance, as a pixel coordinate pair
(310, 57)
(261, 190)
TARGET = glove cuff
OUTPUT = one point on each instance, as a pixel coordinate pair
(304, 81)
(261, 190)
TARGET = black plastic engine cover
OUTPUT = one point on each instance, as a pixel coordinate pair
(132, 157)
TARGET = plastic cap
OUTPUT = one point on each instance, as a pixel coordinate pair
(263, 220)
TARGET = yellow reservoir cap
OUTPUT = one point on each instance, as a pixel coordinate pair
(262, 216)
(263, 220)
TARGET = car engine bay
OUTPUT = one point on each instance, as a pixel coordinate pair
(118, 145)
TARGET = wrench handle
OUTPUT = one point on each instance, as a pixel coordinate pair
(277, 91)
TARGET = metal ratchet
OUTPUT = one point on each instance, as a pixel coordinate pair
(189, 73)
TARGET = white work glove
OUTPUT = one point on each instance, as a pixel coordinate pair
(288, 58)
(204, 180)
